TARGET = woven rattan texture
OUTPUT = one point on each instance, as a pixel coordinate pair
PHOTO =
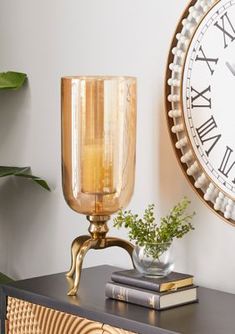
(27, 318)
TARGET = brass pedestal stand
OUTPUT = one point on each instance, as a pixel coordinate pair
(97, 240)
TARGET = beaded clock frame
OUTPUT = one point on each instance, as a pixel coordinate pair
(206, 188)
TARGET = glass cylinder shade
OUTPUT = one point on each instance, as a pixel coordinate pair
(98, 143)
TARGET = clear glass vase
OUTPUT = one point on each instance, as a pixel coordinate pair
(154, 259)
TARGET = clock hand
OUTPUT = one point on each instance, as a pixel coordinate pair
(230, 67)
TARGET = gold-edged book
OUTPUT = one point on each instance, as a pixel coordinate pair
(173, 281)
(152, 299)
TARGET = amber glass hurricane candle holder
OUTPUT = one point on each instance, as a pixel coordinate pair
(98, 156)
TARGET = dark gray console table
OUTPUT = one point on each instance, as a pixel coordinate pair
(214, 314)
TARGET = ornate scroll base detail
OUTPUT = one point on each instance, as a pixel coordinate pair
(97, 240)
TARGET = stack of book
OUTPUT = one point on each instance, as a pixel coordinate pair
(154, 292)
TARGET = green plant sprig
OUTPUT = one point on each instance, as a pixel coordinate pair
(145, 231)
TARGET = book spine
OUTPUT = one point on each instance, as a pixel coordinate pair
(135, 282)
(133, 296)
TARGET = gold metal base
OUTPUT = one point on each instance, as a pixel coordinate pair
(97, 240)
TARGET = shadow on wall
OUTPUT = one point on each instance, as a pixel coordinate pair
(15, 116)
(172, 187)
(22, 212)
(170, 180)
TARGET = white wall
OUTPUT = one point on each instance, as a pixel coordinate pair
(49, 39)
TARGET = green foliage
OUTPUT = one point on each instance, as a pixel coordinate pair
(8, 81)
(4, 279)
(23, 172)
(147, 232)
(15, 80)
(12, 80)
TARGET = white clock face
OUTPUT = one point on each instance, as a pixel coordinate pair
(208, 95)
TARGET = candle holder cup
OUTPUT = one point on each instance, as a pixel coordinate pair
(98, 157)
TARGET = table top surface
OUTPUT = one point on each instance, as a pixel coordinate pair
(214, 314)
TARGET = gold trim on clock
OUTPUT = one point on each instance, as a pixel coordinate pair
(215, 197)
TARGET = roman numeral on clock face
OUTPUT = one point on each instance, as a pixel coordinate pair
(226, 27)
(204, 131)
(208, 61)
(200, 99)
(226, 166)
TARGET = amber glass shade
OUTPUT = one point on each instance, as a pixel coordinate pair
(98, 143)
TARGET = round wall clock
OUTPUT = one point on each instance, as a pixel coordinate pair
(200, 88)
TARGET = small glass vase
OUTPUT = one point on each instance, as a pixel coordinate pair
(154, 259)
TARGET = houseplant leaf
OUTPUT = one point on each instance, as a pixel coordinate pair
(5, 279)
(23, 172)
(15, 80)
(12, 80)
